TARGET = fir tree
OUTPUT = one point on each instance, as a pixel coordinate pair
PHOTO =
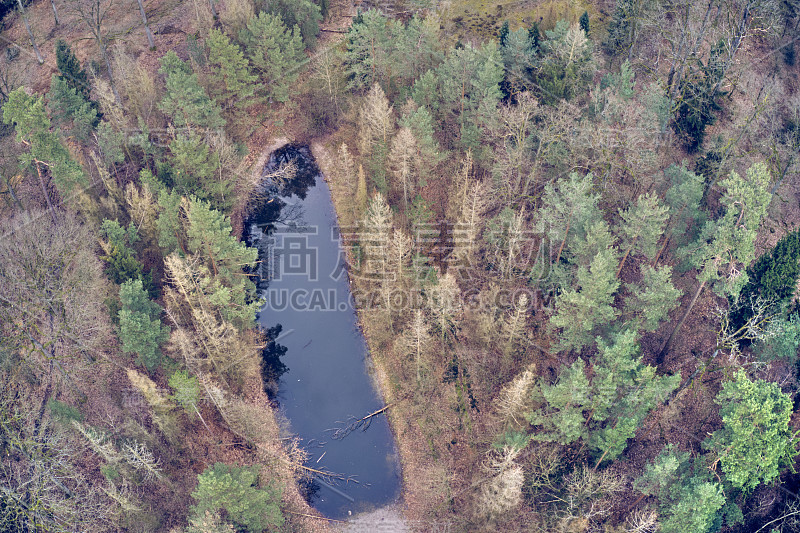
(503, 34)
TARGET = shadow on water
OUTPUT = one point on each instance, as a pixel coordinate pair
(314, 365)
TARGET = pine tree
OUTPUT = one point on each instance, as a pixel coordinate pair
(566, 66)
(725, 244)
(69, 107)
(45, 149)
(568, 209)
(234, 489)
(642, 226)
(654, 297)
(231, 82)
(688, 500)
(197, 172)
(209, 236)
(561, 416)
(140, 328)
(367, 50)
(304, 14)
(582, 309)
(275, 51)
(755, 442)
(185, 100)
(187, 390)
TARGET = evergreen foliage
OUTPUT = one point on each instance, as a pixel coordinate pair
(584, 22)
(32, 125)
(304, 14)
(566, 66)
(275, 51)
(69, 107)
(187, 390)
(773, 278)
(231, 82)
(755, 441)
(235, 490)
(185, 100)
(605, 410)
(140, 328)
(588, 305)
(654, 296)
(688, 500)
(72, 74)
(224, 256)
(121, 257)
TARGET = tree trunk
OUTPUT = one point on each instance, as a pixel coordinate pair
(213, 9)
(147, 31)
(668, 344)
(39, 57)
(104, 53)
(46, 196)
(55, 12)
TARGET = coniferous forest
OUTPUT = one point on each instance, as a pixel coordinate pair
(571, 233)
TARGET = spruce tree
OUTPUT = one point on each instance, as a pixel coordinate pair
(773, 278)
(45, 149)
(71, 71)
(584, 22)
(140, 328)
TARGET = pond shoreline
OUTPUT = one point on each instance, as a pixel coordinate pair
(370, 367)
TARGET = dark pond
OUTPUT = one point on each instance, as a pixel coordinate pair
(317, 367)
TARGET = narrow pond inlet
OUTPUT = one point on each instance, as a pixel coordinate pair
(318, 357)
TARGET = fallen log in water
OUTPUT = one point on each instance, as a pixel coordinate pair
(354, 424)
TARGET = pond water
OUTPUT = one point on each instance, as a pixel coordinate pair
(317, 367)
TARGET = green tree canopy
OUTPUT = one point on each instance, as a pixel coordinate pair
(235, 490)
(185, 100)
(275, 51)
(755, 441)
(140, 328)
